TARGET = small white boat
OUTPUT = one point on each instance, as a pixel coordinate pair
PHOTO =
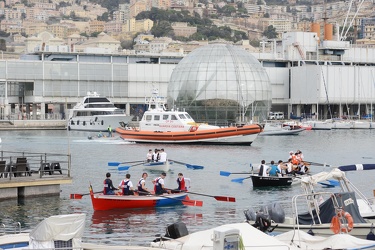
(279, 129)
(342, 125)
(320, 125)
(246, 236)
(158, 166)
(96, 113)
(57, 232)
(361, 125)
(322, 208)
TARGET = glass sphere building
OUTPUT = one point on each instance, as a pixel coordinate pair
(220, 84)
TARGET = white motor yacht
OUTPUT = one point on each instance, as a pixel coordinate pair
(96, 113)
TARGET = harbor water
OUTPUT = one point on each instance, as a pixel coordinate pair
(127, 227)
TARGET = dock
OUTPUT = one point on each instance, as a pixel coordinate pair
(27, 174)
(32, 124)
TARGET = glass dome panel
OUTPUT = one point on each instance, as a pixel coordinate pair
(220, 84)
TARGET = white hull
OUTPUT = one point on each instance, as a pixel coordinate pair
(360, 230)
(232, 140)
(341, 125)
(97, 123)
(361, 125)
(279, 129)
(158, 166)
(318, 125)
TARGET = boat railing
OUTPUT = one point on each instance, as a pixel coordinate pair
(11, 230)
(313, 201)
(35, 165)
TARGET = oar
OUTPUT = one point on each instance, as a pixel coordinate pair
(218, 198)
(115, 163)
(122, 168)
(240, 180)
(317, 164)
(191, 166)
(225, 173)
(186, 202)
(79, 196)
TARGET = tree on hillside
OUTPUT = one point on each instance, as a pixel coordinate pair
(163, 28)
(104, 17)
(270, 32)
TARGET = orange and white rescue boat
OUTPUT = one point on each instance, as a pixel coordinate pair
(159, 125)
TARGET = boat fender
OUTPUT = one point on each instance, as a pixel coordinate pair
(193, 128)
(336, 225)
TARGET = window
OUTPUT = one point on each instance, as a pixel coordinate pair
(182, 116)
(165, 117)
(173, 117)
(157, 118)
(148, 117)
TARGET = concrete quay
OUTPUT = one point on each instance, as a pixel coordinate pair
(32, 124)
(28, 174)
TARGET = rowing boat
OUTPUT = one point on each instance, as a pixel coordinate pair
(271, 181)
(108, 202)
(158, 166)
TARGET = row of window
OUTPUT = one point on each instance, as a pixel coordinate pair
(183, 116)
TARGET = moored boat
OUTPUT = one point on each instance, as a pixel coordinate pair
(280, 129)
(96, 113)
(108, 202)
(159, 125)
(320, 125)
(326, 213)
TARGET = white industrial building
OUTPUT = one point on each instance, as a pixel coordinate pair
(308, 75)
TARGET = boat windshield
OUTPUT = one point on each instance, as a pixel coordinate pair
(182, 116)
(188, 116)
(92, 113)
(100, 105)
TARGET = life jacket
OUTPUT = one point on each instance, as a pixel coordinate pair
(106, 188)
(295, 160)
(125, 187)
(181, 183)
(157, 187)
(140, 185)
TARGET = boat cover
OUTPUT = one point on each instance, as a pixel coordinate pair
(252, 238)
(58, 228)
(346, 200)
(338, 241)
(323, 176)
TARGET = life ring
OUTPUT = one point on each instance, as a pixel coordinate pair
(336, 226)
(193, 128)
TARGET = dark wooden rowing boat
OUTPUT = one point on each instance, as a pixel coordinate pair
(271, 181)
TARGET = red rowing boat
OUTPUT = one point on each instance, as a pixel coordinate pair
(108, 202)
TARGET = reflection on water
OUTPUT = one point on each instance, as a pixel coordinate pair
(90, 163)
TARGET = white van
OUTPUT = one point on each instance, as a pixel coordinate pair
(276, 116)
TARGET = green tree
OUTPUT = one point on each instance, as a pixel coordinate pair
(266, 15)
(163, 28)
(270, 32)
(227, 10)
(127, 44)
(104, 17)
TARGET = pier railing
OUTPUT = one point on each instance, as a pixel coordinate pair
(41, 165)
